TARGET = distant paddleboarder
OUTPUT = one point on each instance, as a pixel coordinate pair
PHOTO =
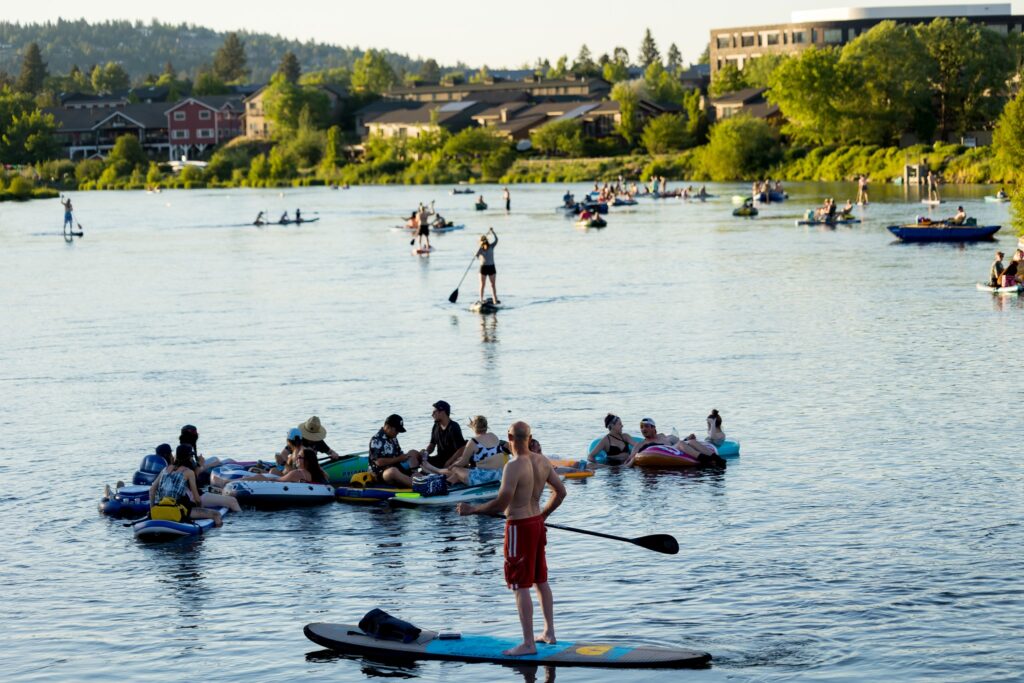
(508, 200)
(69, 220)
(487, 270)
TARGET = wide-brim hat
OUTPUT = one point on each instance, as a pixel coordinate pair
(312, 429)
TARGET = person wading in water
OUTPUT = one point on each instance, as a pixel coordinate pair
(522, 483)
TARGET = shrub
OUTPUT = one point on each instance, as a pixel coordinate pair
(740, 148)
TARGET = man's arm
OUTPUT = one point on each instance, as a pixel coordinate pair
(505, 493)
(555, 482)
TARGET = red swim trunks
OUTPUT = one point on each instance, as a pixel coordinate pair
(525, 563)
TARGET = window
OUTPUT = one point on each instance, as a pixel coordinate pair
(814, 35)
(205, 133)
(179, 134)
(204, 114)
(747, 40)
(799, 37)
(833, 35)
(179, 116)
(723, 41)
(771, 38)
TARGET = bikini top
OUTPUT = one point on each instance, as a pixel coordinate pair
(483, 452)
(616, 450)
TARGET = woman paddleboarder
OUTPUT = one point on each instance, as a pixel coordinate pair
(486, 255)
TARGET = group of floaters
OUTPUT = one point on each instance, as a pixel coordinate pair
(176, 490)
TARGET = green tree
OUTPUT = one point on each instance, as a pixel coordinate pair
(561, 138)
(284, 102)
(662, 86)
(696, 116)
(229, 63)
(757, 73)
(705, 57)
(614, 72)
(207, 83)
(727, 79)
(290, 68)
(127, 154)
(810, 90)
(332, 150)
(561, 68)
(340, 76)
(973, 65)
(584, 64)
(1008, 136)
(648, 50)
(33, 70)
(740, 148)
(891, 95)
(674, 60)
(472, 144)
(372, 73)
(666, 133)
(430, 72)
(621, 56)
(29, 138)
(628, 96)
(481, 76)
(109, 78)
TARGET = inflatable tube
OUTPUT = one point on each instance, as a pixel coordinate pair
(728, 449)
(272, 495)
(222, 475)
(128, 502)
(150, 466)
(602, 457)
(664, 456)
(1015, 289)
(152, 530)
(339, 472)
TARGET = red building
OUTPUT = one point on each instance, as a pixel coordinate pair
(196, 124)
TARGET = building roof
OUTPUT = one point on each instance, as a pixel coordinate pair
(898, 12)
(446, 113)
(499, 85)
(740, 97)
(375, 109)
(149, 116)
(214, 102)
(80, 97)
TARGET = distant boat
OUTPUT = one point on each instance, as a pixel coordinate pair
(944, 232)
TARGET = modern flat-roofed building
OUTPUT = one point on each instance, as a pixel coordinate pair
(827, 27)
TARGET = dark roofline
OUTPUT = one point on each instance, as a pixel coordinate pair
(498, 85)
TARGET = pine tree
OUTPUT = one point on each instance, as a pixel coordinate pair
(33, 71)
(674, 60)
(290, 68)
(584, 64)
(648, 50)
(430, 72)
(229, 60)
(169, 70)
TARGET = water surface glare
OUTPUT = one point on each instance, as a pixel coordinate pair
(871, 530)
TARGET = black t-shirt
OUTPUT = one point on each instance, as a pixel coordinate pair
(447, 442)
(318, 446)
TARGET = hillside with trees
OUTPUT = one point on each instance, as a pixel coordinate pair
(142, 49)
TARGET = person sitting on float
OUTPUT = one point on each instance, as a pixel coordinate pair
(616, 444)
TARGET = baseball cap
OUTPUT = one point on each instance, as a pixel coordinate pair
(396, 422)
(294, 434)
(647, 421)
(443, 405)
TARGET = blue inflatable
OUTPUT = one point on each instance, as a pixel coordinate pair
(127, 502)
(728, 449)
(150, 466)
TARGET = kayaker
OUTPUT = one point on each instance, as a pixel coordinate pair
(716, 436)
(69, 221)
(487, 270)
(313, 434)
(481, 459)
(616, 444)
(298, 216)
(306, 470)
(995, 273)
(259, 219)
(522, 483)
(568, 201)
(445, 436)
(284, 218)
(387, 461)
(177, 481)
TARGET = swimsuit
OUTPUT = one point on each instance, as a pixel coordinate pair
(525, 561)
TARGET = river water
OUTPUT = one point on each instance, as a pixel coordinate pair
(871, 530)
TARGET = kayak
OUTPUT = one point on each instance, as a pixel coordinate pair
(941, 232)
(269, 495)
(1016, 289)
(485, 306)
(127, 502)
(466, 647)
(624, 202)
(835, 221)
(461, 494)
(341, 471)
(745, 211)
(447, 228)
(293, 222)
(993, 198)
(163, 530)
(466, 191)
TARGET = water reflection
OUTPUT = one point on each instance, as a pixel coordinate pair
(529, 673)
(489, 328)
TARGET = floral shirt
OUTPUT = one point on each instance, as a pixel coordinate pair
(382, 446)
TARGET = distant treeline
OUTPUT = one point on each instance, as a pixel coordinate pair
(143, 49)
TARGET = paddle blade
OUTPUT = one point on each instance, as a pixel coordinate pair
(454, 296)
(659, 543)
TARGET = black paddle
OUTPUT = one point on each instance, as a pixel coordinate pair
(659, 543)
(455, 294)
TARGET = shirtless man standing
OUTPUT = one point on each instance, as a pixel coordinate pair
(522, 482)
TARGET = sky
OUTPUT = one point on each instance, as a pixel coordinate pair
(477, 33)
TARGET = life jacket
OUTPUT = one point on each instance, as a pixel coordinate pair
(168, 510)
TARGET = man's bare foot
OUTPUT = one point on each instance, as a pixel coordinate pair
(545, 638)
(520, 650)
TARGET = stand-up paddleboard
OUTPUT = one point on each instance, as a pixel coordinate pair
(485, 306)
(422, 252)
(932, 202)
(993, 198)
(163, 530)
(476, 648)
(1016, 289)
